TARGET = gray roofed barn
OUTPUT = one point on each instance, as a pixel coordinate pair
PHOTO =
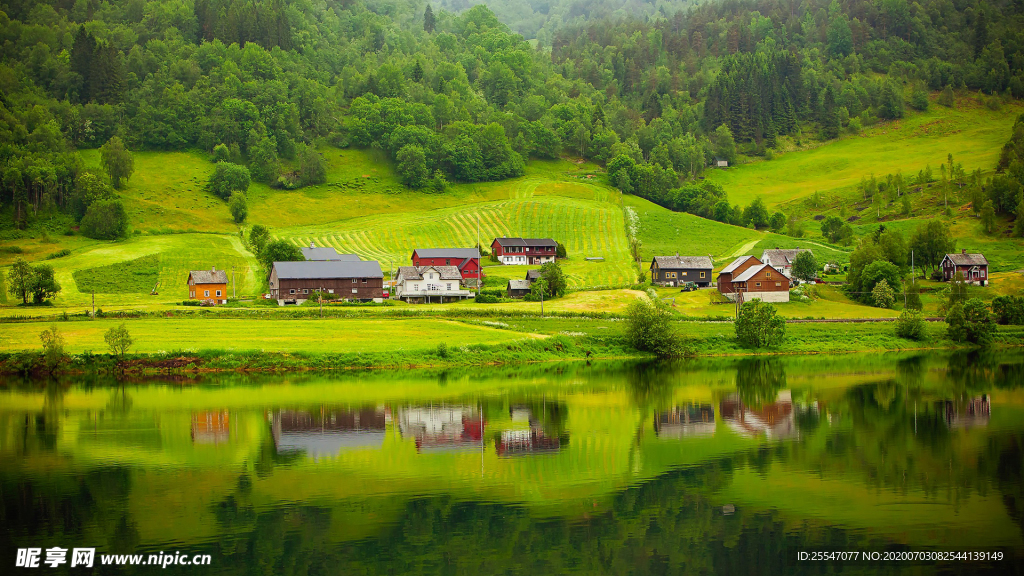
(326, 253)
(532, 275)
(684, 261)
(328, 269)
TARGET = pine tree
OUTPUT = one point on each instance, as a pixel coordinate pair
(428, 19)
(82, 52)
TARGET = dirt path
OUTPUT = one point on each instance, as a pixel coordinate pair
(745, 248)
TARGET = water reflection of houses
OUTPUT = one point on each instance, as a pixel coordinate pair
(975, 412)
(442, 427)
(211, 427)
(774, 421)
(532, 439)
(688, 420)
(326, 432)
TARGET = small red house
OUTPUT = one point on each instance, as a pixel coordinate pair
(524, 250)
(467, 260)
(973, 267)
(752, 278)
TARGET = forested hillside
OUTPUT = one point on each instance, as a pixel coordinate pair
(459, 97)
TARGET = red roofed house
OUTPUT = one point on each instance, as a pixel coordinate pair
(467, 260)
(973, 267)
(524, 250)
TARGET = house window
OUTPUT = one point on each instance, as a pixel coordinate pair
(448, 262)
(684, 273)
(354, 280)
(305, 290)
(982, 273)
(768, 275)
(778, 284)
(355, 290)
(702, 274)
(758, 284)
(364, 280)
(218, 292)
(449, 285)
(416, 287)
(206, 292)
(292, 291)
(330, 290)
(670, 274)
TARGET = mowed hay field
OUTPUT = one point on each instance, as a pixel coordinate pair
(327, 335)
(971, 132)
(581, 216)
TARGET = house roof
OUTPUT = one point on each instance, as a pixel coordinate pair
(327, 253)
(674, 262)
(749, 273)
(447, 252)
(964, 259)
(532, 275)
(518, 284)
(213, 276)
(782, 257)
(525, 242)
(735, 264)
(416, 272)
(317, 269)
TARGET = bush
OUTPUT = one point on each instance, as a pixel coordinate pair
(486, 299)
(910, 325)
(1009, 309)
(53, 347)
(228, 178)
(970, 322)
(105, 220)
(882, 295)
(649, 328)
(759, 325)
(118, 340)
(442, 351)
(59, 254)
(221, 153)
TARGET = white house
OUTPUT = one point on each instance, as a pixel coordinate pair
(782, 260)
(429, 284)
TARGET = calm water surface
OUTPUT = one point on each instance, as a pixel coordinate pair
(727, 467)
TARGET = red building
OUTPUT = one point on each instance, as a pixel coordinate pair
(973, 268)
(467, 260)
(524, 250)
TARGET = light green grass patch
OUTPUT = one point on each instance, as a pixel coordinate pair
(971, 132)
(664, 232)
(132, 276)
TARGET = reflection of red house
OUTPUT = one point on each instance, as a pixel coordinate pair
(690, 420)
(442, 427)
(210, 427)
(774, 420)
(975, 413)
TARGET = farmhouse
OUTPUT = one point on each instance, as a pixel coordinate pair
(518, 288)
(782, 260)
(208, 285)
(747, 278)
(293, 282)
(524, 250)
(677, 270)
(467, 260)
(429, 284)
(327, 253)
(973, 267)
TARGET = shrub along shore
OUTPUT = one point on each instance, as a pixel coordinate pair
(697, 339)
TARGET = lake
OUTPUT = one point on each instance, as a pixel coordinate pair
(724, 466)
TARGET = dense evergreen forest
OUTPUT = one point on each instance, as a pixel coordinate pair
(459, 96)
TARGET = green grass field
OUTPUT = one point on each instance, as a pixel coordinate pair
(132, 276)
(328, 335)
(971, 132)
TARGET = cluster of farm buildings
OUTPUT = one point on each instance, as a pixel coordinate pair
(448, 274)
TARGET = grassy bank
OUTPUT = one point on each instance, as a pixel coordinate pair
(333, 344)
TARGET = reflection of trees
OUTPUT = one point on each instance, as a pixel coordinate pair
(759, 380)
(650, 384)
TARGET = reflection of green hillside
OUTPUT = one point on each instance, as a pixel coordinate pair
(872, 450)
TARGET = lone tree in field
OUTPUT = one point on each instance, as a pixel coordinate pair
(649, 328)
(970, 322)
(882, 295)
(117, 161)
(21, 279)
(118, 340)
(44, 285)
(259, 235)
(805, 266)
(555, 279)
(53, 347)
(239, 207)
(831, 228)
(759, 326)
